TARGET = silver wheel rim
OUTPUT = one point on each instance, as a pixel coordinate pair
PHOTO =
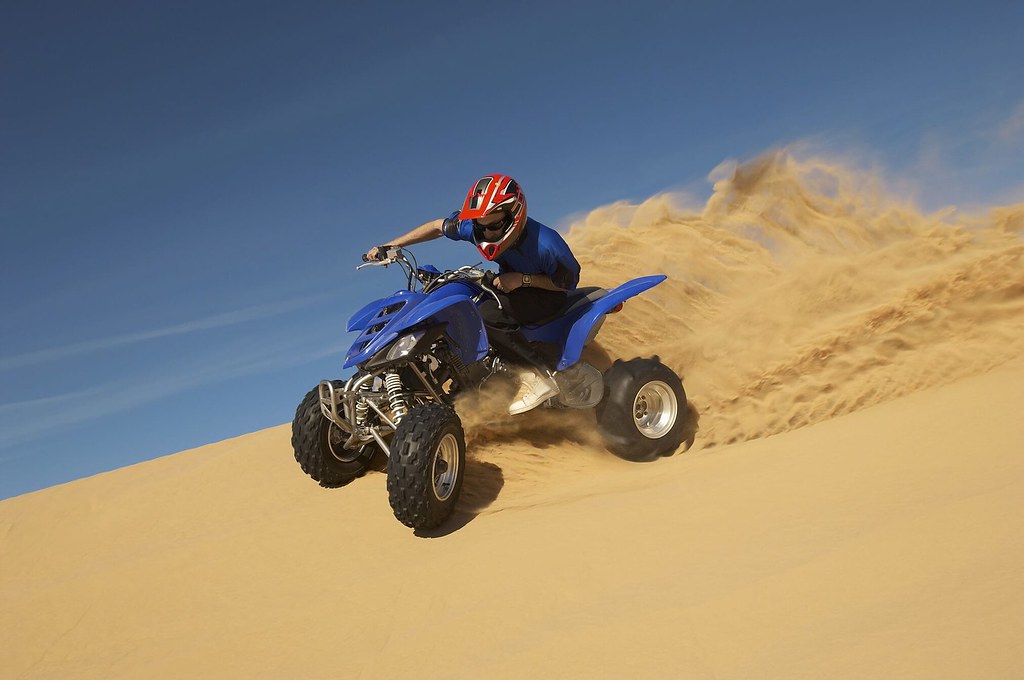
(336, 444)
(655, 409)
(445, 469)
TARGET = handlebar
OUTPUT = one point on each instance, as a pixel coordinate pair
(487, 283)
(430, 281)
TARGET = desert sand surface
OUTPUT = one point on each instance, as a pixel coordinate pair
(851, 506)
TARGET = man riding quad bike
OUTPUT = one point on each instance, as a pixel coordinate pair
(448, 332)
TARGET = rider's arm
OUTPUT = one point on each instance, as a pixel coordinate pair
(428, 231)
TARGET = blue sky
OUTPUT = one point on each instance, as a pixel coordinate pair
(185, 187)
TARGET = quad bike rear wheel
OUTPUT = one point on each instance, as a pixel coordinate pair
(643, 414)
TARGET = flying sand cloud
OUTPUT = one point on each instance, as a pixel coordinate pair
(800, 276)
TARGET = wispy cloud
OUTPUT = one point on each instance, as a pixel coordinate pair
(1011, 129)
(222, 320)
(27, 420)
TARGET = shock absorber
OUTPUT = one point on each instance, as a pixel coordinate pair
(362, 408)
(356, 410)
(393, 384)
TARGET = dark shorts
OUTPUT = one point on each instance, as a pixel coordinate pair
(523, 306)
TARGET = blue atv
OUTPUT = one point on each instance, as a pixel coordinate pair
(421, 347)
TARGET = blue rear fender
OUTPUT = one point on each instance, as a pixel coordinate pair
(580, 329)
(451, 305)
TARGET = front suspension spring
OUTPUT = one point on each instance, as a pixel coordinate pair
(393, 384)
(362, 408)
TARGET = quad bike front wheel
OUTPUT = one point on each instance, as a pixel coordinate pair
(317, 443)
(426, 466)
(643, 414)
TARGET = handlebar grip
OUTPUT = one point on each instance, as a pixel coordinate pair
(381, 253)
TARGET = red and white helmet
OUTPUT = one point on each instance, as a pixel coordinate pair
(491, 195)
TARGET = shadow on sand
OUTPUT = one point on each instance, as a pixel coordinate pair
(480, 487)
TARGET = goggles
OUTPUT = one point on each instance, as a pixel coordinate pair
(497, 228)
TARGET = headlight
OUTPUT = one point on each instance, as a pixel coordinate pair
(404, 345)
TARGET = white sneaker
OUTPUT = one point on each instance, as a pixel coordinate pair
(534, 390)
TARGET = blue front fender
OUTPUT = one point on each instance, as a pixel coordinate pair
(364, 316)
(465, 325)
(453, 307)
(580, 330)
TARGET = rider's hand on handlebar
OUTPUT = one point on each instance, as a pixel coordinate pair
(508, 281)
(375, 254)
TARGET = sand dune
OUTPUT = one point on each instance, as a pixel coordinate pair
(876, 534)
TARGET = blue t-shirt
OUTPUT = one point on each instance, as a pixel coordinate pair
(540, 250)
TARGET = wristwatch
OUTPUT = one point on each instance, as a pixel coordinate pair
(527, 280)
